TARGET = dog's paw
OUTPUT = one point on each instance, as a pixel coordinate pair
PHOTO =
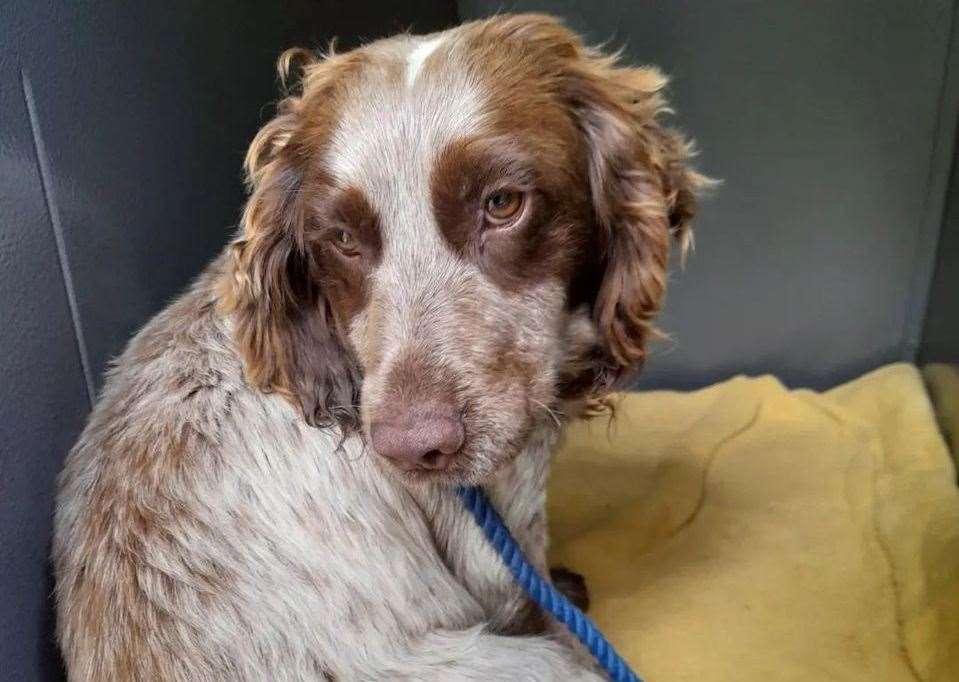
(572, 585)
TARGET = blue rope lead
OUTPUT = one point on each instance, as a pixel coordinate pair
(540, 590)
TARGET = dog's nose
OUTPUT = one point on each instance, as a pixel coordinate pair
(424, 436)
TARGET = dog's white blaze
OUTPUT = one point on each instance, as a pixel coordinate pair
(386, 144)
(419, 55)
(387, 139)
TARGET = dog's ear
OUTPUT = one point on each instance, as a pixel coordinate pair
(643, 195)
(282, 321)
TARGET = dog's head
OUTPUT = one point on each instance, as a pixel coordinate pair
(451, 238)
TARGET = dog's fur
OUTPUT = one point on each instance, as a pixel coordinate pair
(223, 516)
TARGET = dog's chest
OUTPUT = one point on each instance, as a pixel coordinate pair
(356, 546)
(519, 496)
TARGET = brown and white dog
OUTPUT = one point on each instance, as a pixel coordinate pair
(452, 244)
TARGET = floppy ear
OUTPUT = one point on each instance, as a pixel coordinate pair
(282, 321)
(643, 197)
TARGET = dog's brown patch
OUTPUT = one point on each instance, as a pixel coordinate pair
(344, 275)
(593, 125)
(545, 242)
(277, 289)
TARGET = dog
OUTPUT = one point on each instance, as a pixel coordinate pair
(452, 244)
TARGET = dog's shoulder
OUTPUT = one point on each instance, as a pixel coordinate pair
(164, 399)
(179, 367)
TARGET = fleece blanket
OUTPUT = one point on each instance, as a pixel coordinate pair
(750, 532)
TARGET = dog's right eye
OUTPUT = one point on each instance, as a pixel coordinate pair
(345, 243)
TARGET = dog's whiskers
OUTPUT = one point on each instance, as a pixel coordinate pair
(556, 414)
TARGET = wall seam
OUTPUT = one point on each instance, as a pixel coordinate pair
(934, 203)
(46, 186)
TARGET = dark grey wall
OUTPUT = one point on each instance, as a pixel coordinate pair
(43, 398)
(122, 130)
(831, 125)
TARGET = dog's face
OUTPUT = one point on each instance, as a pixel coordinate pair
(452, 238)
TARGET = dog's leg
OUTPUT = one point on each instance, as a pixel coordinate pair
(448, 656)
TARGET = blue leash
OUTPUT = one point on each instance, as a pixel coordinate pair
(540, 590)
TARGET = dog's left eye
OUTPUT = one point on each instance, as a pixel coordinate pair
(344, 241)
(503, 205)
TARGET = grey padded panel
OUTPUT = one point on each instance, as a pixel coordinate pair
(821, 119)
(43, 398)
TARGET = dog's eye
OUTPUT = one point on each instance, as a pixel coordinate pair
(344, 241)
(503, 205)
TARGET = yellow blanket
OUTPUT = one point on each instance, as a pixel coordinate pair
(748, 532)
